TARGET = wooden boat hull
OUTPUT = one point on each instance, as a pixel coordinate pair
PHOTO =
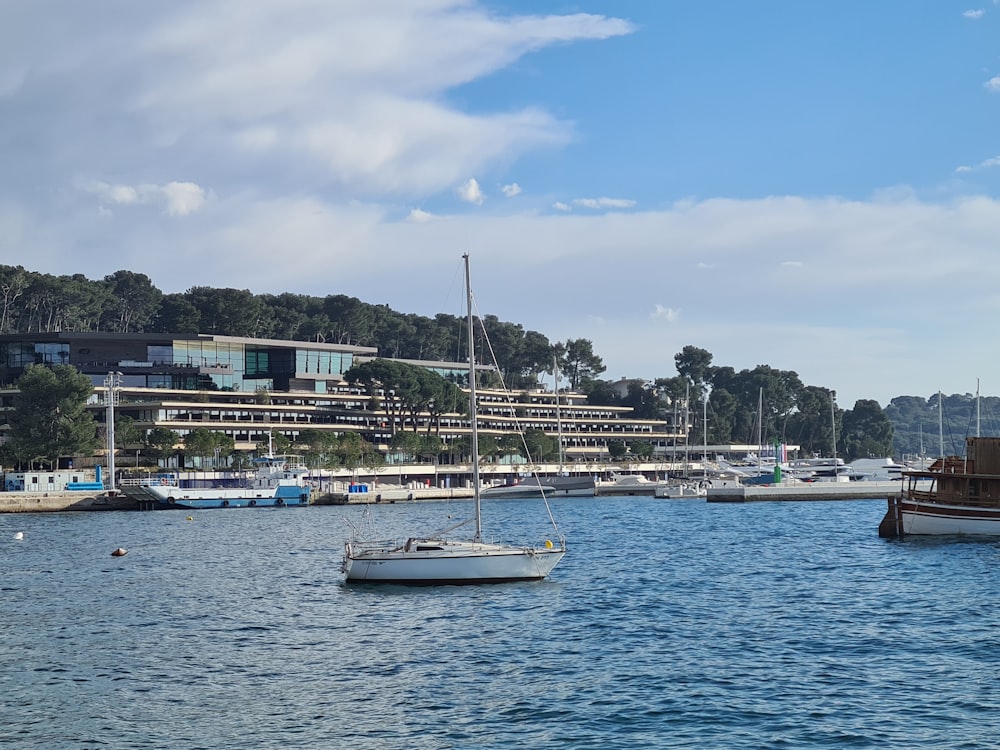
(943, 519)
(436, 562)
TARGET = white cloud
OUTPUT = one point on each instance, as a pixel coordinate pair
(511, 190)
(974, 14)
(603, 203)
(419, 216)
(470, 192)
(791, 264)
(176, 198)
(993, 84)
(560, 206)
(183, 198)
(985, 164)
(665, 313)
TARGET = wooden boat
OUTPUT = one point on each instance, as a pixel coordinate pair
(954, 495)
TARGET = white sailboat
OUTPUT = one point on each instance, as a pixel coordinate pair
(440, 560)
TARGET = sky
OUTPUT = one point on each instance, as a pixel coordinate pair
(813, 186)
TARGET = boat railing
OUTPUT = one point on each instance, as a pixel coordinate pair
(146, 481)
(369, 546)
(923, 496)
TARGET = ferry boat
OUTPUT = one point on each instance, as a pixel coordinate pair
(955, 495)
(278, 481)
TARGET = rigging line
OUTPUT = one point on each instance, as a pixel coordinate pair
(513, 411)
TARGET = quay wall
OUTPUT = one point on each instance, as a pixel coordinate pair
(49, 502)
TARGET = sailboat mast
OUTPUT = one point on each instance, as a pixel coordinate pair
(704, 433)
(555, 377)
(833, 425)
(687, 431)
(473, 406)
(977, 409)
(940, 424)
(760, 427)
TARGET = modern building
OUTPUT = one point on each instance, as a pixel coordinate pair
(251, 388)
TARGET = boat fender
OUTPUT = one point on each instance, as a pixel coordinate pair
(279, 501)
(252, 504)
(378, 498)
(548, 544)
(304, 497)
(406, 547)
(410, 496)
(225, 503)
(170, 500)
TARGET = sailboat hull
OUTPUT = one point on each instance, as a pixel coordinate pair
(439, 562)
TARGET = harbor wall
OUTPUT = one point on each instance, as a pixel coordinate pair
(49, 502)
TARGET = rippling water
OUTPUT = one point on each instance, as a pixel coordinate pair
(668, 624)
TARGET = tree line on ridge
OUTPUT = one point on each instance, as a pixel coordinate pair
(793, 412)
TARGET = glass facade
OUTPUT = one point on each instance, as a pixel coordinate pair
(184, 364)
(23, 353)
(234, 366)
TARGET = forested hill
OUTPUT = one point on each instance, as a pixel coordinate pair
(129, 302)
(921, 425)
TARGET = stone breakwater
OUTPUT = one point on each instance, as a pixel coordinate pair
(48, 502)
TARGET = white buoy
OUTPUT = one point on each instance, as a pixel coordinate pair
(19, 535)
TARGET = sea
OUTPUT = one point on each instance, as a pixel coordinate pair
(669, 624)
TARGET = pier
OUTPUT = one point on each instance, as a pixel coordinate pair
(804, 491)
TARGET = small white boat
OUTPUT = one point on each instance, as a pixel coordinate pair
(675, 490)
(536, 486)
(438, 559)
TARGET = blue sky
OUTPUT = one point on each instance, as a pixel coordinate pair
(809, 185)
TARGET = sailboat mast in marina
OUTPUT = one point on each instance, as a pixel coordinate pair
(440, 559)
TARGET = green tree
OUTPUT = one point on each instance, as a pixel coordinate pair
(430, 447)
(13, 282)
(406, 442)
(578, 363)
(867, 431)
(641, 449)
(617, 450)
(407, 391)
(539, 445)
(320, 448)
(161, 443)
(135, 301)
(50, 418)
(695, 366)
(205, 444)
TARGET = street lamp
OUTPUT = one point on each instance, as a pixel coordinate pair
(112, 394)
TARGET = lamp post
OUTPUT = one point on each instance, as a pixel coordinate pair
(112, 386)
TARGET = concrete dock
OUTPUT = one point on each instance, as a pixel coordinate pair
(50, 502)
(804, 491)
